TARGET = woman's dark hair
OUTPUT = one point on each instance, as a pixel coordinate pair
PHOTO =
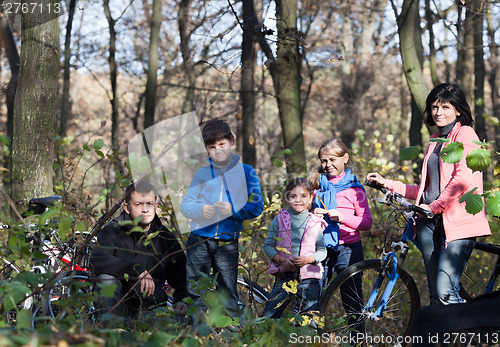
(453, 94)
(296, 182)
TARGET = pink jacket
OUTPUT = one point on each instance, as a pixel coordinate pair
(455, 180)
(315, 225)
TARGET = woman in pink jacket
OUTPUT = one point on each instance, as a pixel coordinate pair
(448, 239)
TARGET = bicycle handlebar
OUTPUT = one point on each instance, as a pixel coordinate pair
(400, 200)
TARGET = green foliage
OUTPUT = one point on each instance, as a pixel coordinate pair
(478, 159)
(452, 153)
(473, 202)
(409, 153)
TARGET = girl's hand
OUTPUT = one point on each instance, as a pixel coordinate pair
(335, 215)
(288, 265)
(303, 260)
(318, 211)
(375, 177)
(224, 207)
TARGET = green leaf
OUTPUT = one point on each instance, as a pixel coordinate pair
(23, 319)
(473, 202)
(159, 339)
(65, 226)
(409, 153)
(99, 153)
(98, 144)
(222, 321)
(277, 162)
(143, 164)
(452, 153)
(86, 147)
(287, 151)
(478, 159)
(107, 290)
(283, 250)
(439, 140)
(493, 203)
(81, 226)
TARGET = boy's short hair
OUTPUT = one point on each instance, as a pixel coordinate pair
(214, 130)
(142, 187)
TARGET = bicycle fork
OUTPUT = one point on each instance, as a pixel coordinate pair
(389, 270)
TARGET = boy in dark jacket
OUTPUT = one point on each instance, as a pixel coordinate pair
(220, 197)
(150, 255)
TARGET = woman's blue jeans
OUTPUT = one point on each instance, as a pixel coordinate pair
(444, 261)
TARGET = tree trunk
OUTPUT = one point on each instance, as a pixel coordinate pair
(113, 75)
(247, 87)
(187, 59)
(479, 73)
(66, 99)
(411, 53)
(154, 45)
(432, 48)
(467, 70)
(35, 107)
(494, 73)
(288, 65)
(9, 45)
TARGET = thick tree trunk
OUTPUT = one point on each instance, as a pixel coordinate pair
(467, 69)
(479, 70)
(35, 107)
(411, 53)
(247, 87)
(288, 65)
(154, 45)
(66, 99)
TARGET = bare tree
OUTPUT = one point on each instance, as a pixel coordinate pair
(154, 45)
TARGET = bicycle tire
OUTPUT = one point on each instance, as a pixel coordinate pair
(398, 316)
(252, 297)
(75, 285)
(7, 268)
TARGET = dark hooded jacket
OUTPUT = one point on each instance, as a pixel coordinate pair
(126, 254)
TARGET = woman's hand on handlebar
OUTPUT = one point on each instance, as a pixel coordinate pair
(425, 207)
(375, 177)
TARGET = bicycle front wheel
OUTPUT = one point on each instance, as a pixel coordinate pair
(252, 297)
(346, 310)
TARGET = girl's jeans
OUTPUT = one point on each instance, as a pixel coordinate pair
(444, 261)
(308, 292)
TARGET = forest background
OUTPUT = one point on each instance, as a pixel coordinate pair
(79, 83)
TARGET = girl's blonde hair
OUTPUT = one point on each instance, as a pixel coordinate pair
(337, 147)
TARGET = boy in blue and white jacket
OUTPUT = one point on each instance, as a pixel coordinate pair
(220, 197)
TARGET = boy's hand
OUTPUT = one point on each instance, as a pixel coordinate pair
(207, 211)
(225, 208)
(303, 260)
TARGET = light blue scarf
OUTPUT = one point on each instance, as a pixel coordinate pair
(326, 197)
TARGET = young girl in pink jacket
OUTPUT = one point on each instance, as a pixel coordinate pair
(447, 240)
(295, 247)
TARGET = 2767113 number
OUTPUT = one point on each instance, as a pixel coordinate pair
(32, 8)
(468, 338)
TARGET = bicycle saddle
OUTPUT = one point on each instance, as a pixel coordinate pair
(47, 201)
